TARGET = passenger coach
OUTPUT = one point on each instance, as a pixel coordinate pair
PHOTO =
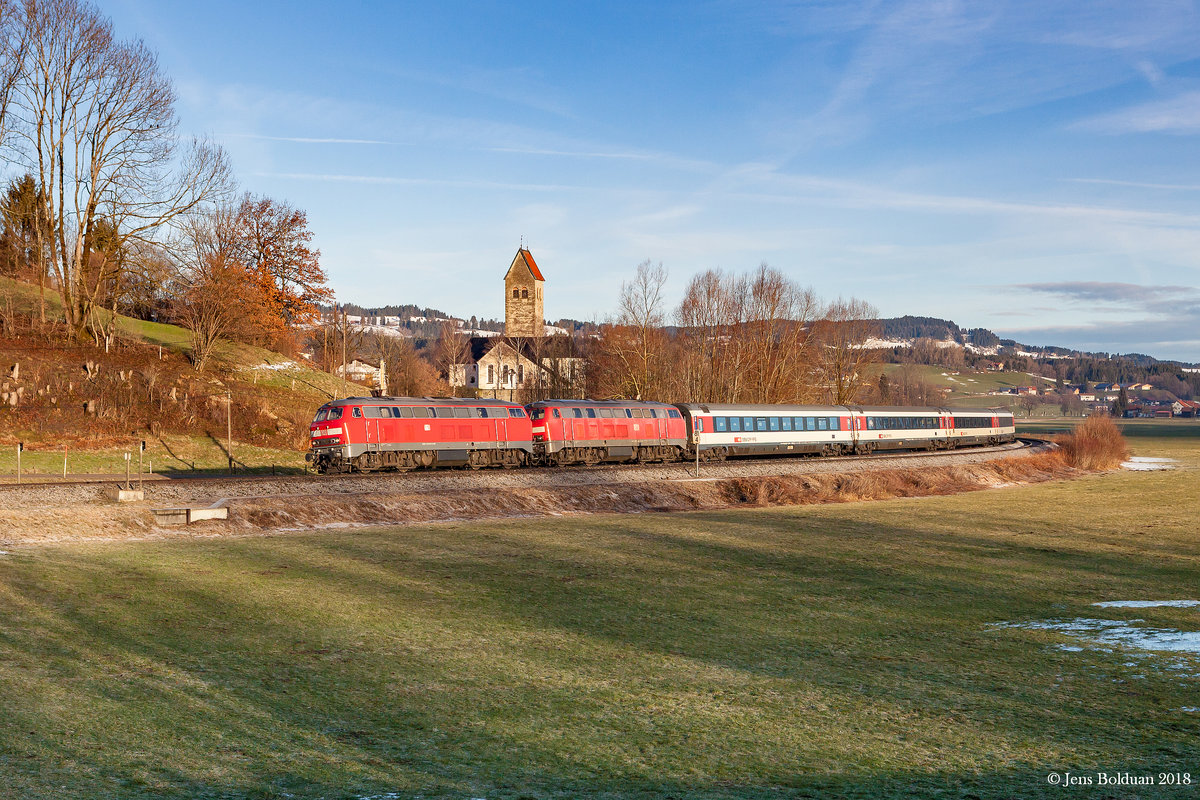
(371, 433)
(721, 431)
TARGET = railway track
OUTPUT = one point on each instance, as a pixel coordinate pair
(192, 489)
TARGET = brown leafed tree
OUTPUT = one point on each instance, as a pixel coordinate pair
(275, 245)
(211, 302)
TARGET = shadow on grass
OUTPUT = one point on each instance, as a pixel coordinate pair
(715, 655)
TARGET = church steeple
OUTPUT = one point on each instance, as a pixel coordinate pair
(523, 312)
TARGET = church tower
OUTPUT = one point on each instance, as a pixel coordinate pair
(523, 312)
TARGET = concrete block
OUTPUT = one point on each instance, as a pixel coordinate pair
(126, 495)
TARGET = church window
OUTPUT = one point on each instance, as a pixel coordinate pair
(491, 374)
(516, 293)
(520, 374)
(524, 294)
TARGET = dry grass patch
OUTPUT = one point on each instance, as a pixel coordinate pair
(1095, 445)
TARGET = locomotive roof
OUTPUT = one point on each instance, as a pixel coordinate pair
(422, 401)
(608, 403)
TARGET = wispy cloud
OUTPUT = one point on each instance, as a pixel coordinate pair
(305, 139)
(1129, 294)
(1164, 318)
(1175, 115)
(1183, 187)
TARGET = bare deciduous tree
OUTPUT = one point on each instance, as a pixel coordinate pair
(96, 123)
(840, 355)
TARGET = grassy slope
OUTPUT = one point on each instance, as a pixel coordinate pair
(259, 367)
(830, 651)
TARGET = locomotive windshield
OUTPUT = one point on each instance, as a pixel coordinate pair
(328, 414)
(537, 413)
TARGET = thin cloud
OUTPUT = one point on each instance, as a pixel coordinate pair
(1127, 293)
(1183, 187)
(1177, 115)
(305, 139)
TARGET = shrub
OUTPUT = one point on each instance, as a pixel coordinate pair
(1097, 444)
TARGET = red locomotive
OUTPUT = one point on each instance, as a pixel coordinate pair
(591, 431)
(373, 433)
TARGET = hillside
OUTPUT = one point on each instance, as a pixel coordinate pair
(56, 393)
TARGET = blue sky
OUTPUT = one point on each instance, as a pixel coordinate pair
(1027, 167)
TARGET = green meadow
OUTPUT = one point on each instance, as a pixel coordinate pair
(823, 651)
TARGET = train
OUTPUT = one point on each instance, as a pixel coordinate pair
(371, 434)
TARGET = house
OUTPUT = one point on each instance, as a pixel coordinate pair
(360, 371)
(1186, 408)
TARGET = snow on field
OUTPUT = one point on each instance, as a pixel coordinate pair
(1119, 633)
(1148, 604)
(1144, 463)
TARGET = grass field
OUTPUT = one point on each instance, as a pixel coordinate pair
(825, 651)
(165, 455)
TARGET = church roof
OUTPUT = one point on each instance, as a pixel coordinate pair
(527, 257)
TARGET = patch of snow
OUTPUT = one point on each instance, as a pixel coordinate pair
(279, 366)
(879, 344)
(1148, 604)
(1190, 709)
(1119, 633)
(1143, 463)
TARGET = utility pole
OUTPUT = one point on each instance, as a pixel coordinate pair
(229, 427)
(345, 377)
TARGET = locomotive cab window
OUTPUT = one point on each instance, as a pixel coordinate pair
(320, 417)
(357, 412)
(556, 414)
(517, 412)
(335, 413)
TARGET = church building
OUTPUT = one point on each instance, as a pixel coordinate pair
(524, 362)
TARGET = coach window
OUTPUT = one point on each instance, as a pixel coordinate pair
(735, 423)
(774, 423)
(785, 423)
(760, 424)
(719, 425)
(822, 423)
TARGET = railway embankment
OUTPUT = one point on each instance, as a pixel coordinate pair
(40, 514)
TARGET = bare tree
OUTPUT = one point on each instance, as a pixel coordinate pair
(97, 125)
(451, 349)
(632, 354)
(841, 356)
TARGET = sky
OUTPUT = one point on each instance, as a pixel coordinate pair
(1028, 167)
